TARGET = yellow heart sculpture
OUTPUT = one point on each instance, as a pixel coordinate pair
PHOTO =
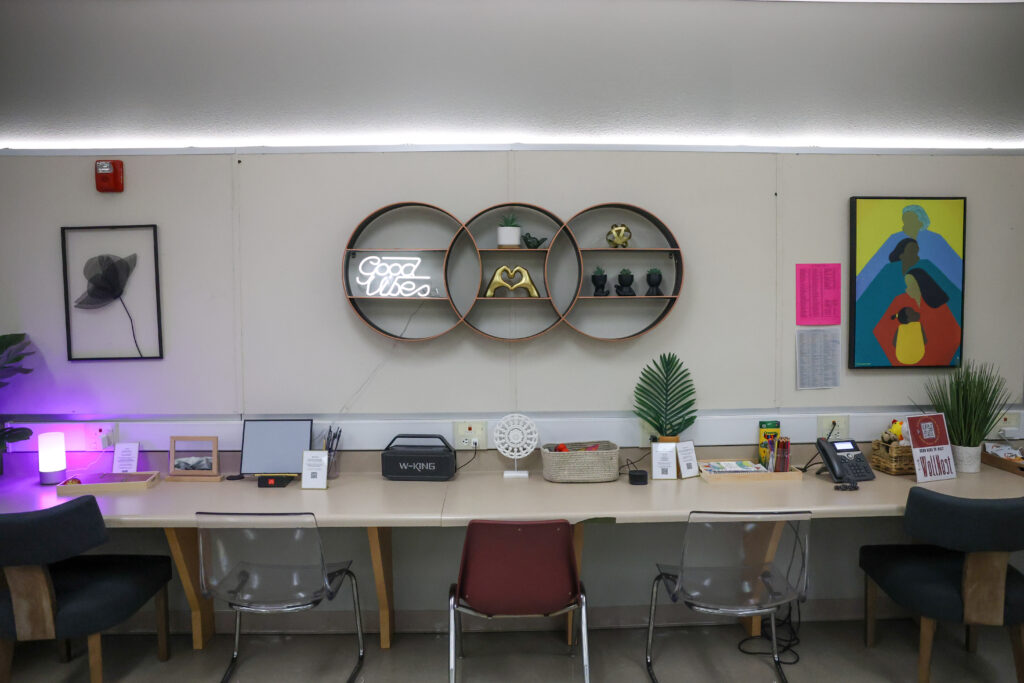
(498, 280)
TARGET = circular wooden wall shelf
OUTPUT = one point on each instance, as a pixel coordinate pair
(412, 272)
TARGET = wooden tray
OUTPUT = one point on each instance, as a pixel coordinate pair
(719, 477)
(1014, 466)
(108, 482)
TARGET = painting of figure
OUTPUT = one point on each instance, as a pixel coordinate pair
(906, 281)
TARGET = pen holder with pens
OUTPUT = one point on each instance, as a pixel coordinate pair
(333, 464)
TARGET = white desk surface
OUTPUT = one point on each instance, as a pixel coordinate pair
(363, 498)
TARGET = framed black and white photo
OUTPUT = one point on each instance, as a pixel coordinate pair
(112, 292)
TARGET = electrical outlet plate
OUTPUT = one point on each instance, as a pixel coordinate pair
(842, 430)
(465, 432)
(1009, 422)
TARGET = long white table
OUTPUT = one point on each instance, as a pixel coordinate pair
(360, 497)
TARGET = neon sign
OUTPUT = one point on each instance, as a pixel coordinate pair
(392, 276)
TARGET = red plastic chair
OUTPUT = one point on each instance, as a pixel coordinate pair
(516, 569)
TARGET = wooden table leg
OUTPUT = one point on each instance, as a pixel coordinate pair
(380, 556)
(184, 544)
(761, 545)
(577, 544)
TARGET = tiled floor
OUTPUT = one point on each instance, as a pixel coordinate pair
(831, 652)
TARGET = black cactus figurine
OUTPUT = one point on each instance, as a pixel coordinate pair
(599, 279)
(653, 280)
(625, 288)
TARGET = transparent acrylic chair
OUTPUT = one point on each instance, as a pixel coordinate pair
(263, 563)
(737, 564)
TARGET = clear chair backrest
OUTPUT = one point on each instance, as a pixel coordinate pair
(745, 560)
(262, 562)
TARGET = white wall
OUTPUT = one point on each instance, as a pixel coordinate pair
(167, 73)
(255, 319)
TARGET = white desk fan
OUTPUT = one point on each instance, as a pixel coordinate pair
(515, 436)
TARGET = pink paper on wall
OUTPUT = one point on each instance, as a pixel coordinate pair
(818, 294)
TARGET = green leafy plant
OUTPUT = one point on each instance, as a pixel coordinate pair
(654, 271)
(599, 271)
(12, 352)
(625, 271)
(665, 397)
(972, 397)
(509, 220)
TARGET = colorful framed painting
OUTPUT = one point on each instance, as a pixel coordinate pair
(112, 293)
(906, 281)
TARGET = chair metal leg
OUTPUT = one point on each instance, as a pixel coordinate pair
(95, 658)
(458, 635)
(451, 634)
(924, 653)
(870, 597)
(583, 635)
(775, 654)
(650, 626)
(163, 650)
(234, 655)
(359, 626)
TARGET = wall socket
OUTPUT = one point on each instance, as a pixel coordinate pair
(469, 435)
(1009, 422)
(842, 430)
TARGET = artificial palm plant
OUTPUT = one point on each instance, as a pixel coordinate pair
(664, 396)
(12, 352)
(972, 397)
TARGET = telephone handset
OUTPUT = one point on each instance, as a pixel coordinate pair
(844, 460)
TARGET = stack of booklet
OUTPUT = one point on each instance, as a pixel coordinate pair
(725, 466)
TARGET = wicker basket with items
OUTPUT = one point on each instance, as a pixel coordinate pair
(580, 462)
(891, 453)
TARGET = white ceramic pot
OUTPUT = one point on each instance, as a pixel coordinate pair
(967, 458)
(508, 236)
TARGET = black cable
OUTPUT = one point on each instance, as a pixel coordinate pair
(468, 461)
(631, 464)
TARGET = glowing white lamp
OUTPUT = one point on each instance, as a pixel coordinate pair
(53, 462)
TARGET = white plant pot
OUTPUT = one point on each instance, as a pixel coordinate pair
(967, 458)
(508, 236)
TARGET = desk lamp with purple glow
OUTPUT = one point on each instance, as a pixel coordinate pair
(53, 463)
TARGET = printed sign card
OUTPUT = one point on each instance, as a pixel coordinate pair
(314, 469)
(687, 459)
(126, 457)
(929, 440)
(663, 460)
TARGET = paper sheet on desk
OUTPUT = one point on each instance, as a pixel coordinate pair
(817, 358)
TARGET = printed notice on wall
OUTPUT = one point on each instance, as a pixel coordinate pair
(817, 358)
(818, 294)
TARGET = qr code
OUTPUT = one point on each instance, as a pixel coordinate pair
(689, 466)
(664, 470)
(928, 430)
(312, 475)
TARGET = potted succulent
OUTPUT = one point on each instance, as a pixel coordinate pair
(509, 230)
(599, 280)
(653, 282)
(624, 288)
(12, 352)
(972, 397)
(665, 397)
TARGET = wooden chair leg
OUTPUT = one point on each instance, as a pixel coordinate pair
(870, 598)
(6, 660)
(971, 638)
(64, 650)
(163, 651)
(924, 653)
(1017, 640)
(95, 659)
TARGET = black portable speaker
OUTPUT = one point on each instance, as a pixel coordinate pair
(418, 462)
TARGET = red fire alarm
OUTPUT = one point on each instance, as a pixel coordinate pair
(110, 175)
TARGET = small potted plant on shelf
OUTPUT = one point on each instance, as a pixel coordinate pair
(972, 398)
(653, 282)
(12, 352)
(625, 288)
(509, 230)
(599, 280)
(665, 398)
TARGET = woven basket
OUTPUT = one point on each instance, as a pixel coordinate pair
(892, 459)
(578, 465)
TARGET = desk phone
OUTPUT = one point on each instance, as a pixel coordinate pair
(844, 460)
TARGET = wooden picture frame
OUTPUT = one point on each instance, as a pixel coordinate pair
(202, 467)
(906, 289)
(112, 292)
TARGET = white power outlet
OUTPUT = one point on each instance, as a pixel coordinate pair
(469, 435)
(1009, 422)
(841, 431)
